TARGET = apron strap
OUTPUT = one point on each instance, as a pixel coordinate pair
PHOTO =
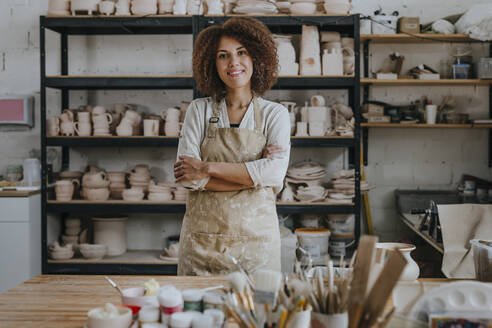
(257, 112)
(213, 121)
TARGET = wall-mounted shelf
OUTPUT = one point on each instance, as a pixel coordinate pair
(417, 82)
(416, 38)
(145, 206)
(164, 141)
(425, 126)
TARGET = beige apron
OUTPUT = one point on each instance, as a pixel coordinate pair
(242, 224)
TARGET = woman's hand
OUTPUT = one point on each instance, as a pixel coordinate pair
(270, 150)
(189, 168)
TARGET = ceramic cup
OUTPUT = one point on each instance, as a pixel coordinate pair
(83, 129)
(301, 129)
(84, 117)
(151, 128)
(430, 114)
(67, 129)
(106, 7)
(171, 128)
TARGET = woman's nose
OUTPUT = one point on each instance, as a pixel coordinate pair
(234, 60)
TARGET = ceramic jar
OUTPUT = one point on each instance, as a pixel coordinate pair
(411, 271)
(64, 189)
(53, 126)
(151, 128)
(95, 180)
(112, 233)
(107, 7)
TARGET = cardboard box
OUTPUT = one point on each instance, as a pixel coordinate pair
(409, 25)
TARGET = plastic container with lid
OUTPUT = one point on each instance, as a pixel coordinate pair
(202, 321)
(181, 320)
(314, 241)
(193, 299)
(482, 257)
(149, 314)
(213, 301)
(218, 316)
(170, 300)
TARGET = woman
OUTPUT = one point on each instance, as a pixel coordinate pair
(233, 153)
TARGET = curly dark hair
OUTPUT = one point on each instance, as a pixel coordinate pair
(254, 36)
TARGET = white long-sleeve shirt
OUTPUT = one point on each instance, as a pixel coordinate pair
(264, 172)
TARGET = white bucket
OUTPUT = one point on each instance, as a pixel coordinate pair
(314, 241)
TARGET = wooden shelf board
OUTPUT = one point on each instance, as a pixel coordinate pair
(119, 76)
(326, 137)
(177, 202)
(426, 82)
(426, 126)
(130, 257)
(416, 38)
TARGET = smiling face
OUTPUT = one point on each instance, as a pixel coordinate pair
(234, 64)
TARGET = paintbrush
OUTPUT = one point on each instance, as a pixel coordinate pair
(266, 286)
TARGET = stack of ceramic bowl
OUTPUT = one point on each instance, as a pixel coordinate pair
(144, 7)
(337, 7)
(283, 6)
(194, 7)
(133, 194)
(64, 190)
(101, 121)
(166, 6)
(303, 7)
(180, 193)
(58, 252)
(116, 184)
(140, 177)
(95, 186)
(59, 7)
(309, 173)
(93, 251)
(159, 193)
(256, 7)
(310, 194)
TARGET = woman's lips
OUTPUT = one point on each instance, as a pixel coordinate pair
(235, 73)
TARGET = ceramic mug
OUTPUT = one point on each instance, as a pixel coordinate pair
(67, 128)
(84, 117)
(99, 118)
(83, 129)
(151, 128)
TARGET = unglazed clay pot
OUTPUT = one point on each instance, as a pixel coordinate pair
(112, 233)
(94, 178)
(411, 271)
(96, 194)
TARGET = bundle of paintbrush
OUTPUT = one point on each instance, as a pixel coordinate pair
(265, 303)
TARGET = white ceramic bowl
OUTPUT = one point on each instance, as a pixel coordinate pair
(61, 254)
(160, 197)
(96, 194)
(303, 8)
(122, 321)
(337, 8)
(93, 251)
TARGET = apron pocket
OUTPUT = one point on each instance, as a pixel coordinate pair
(210, 252)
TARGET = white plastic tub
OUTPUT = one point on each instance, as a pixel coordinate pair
(482, 256)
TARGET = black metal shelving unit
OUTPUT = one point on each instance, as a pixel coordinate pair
(97, 25)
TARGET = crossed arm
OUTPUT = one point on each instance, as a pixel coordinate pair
(223, 176)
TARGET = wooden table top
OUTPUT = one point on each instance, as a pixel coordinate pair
(64, 300)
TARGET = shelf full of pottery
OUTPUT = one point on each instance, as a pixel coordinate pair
(320, 119)
(324, 53)
(304, 183)
(197, 7)
(98, 186)
(122, 120)
(108, 234)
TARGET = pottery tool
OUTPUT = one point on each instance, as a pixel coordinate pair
(381, 291)
(358, 286)
(114, 285)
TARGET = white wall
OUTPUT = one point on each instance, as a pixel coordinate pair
(397, 158)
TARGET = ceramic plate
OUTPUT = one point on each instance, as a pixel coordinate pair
(458, 296)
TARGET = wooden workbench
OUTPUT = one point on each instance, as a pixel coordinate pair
(63, 300)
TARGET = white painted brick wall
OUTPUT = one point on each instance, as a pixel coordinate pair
(397, 158)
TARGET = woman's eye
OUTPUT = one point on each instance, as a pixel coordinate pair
(241, 52)
(222, 56)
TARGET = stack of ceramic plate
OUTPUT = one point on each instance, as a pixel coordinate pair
(310, 194)
(309, 173)
(337, 7)
(144, 7)
(304, 7)
(255, 7)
